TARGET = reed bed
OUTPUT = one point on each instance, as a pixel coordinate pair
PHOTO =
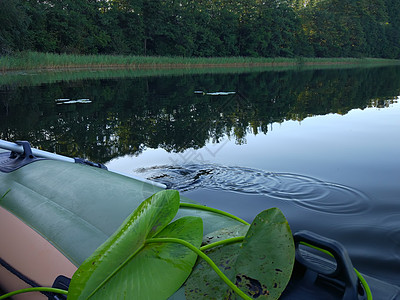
(37, 61)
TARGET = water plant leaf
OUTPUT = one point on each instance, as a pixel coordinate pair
(225, 233)
(125, 266)
(261, 266)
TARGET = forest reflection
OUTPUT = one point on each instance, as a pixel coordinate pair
(127, 115)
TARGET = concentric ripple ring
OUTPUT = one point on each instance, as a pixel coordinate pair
(304, 191)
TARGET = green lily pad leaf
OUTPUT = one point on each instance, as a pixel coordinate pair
(204, 283)
(225, 233)
(125, 266)
(261, 266)
(265, 264)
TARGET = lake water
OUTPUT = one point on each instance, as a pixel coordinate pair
(322, 145)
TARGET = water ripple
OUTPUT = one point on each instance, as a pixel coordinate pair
(302, 190)
(392, 223)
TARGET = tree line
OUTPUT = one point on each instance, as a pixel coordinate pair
(203, 28)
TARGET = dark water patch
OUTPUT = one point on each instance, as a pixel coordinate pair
(392, 222)
(304, 191)
(374, 249)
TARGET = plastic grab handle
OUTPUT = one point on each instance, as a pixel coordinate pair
(344, 271)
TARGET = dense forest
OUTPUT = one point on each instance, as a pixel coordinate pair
(273, 28)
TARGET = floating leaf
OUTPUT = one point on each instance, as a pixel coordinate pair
(125, 266)
(225, 233)
(261, 266)
(265, 263)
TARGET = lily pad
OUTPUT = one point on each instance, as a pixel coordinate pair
(125, 266)
(225, 233)
(261, 266)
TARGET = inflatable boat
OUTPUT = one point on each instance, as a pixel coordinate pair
(62, 218)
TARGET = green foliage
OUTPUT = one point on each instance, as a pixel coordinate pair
(261, 266)
(150, 258)
(330, 28)
(126, 265)
(13, 26)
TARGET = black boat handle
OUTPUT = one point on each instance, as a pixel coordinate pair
(344, 271)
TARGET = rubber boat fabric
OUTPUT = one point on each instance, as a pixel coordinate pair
(76, 207)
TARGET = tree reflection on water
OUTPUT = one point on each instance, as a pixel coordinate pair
(129, 114)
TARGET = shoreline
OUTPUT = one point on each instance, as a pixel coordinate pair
(46, 61)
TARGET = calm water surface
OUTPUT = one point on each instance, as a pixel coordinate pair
(322, 145)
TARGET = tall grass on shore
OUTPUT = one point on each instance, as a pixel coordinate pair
(37, 60)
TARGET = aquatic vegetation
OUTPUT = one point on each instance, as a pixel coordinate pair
(129, 264)
(145, 258)
(39, 61)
